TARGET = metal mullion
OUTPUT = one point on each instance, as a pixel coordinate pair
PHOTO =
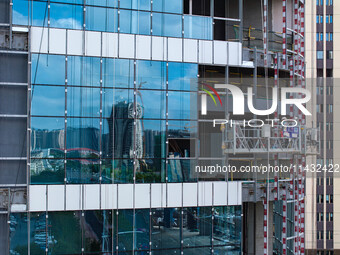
(101, 115)
(48, 25)
(166, 122)
(134, 149)
(10, 23)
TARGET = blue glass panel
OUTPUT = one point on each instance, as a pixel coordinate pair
(117, 103)
(39, 14)
(142, 231)
(18, 233)
(166, 229)
(48, 100)
(118, 73)
(150, 170)
(123, 171)
(182, 76)
(83, 71)
(182, 129)
(197, 227)
(181, 170)
(107, 171)
(20, 12)
(182, 105)
(167, 25)
(47, 137)
(150, 74)
(47, 171)
(71, 1)
(83, 102)
(101, 19)
(151, 104)
(66, 16)
(48, 69)
(134, 22)
(82, 171)
(82, 138)
(38, 233)
(198, 27)
(65, 227)
(144, 5)
(106, 3)
(125, 230)
(99, 239)
(152, 133)
(174, 6)
(227, 228)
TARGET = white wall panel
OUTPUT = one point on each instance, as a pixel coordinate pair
(233, 190)
(205, 52)
(159, 48)
(110, 45)
(74, 42)
(142, 196)
(235, 53)
(93, 43)
(220, 52)
(91, 197)
(220, 193)
(175, 49)
(56, 197)
(39, 39)
(174, 195)
(125, 196)
(143, 47)
(205, 194)
(126, 46)
(73, 197)
(190, 194)
(37, 198)
(109, 196)
(158, 195)
(57, 41)
(190, 50)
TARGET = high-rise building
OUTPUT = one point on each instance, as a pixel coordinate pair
(322, 217)
(118, 135)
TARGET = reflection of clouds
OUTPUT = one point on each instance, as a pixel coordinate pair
(66, 23)
(19, 19)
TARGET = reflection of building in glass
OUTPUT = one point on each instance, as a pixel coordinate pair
(100, 105)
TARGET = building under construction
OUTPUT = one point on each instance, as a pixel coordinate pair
(108, 109)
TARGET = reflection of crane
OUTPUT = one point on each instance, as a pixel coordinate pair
(105, 235)
(142, 113)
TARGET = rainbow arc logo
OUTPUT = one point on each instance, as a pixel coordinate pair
(204, 97)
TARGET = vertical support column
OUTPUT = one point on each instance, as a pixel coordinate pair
(284, 224)
(284, 34)
(303, 123)
(240, 14)
(265, 32)
(265, 221)
(276, 163)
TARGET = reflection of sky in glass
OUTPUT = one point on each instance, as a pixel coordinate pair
(182, 76)
(47, 123)
(144, 5)
(51, 69)
(83, 71)
(198, 27)
(151, 74)
(84, 102)
(167, 25)
(48, 101)
(118, 73)
(101, 19)
(66, 16)
(110, 3)
(180, 103)
(153, 103)
(135, 22)
(173, 6)
(20, 12)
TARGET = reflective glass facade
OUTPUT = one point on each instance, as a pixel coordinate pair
(97, 120)
(139, 231)
(100, 120)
